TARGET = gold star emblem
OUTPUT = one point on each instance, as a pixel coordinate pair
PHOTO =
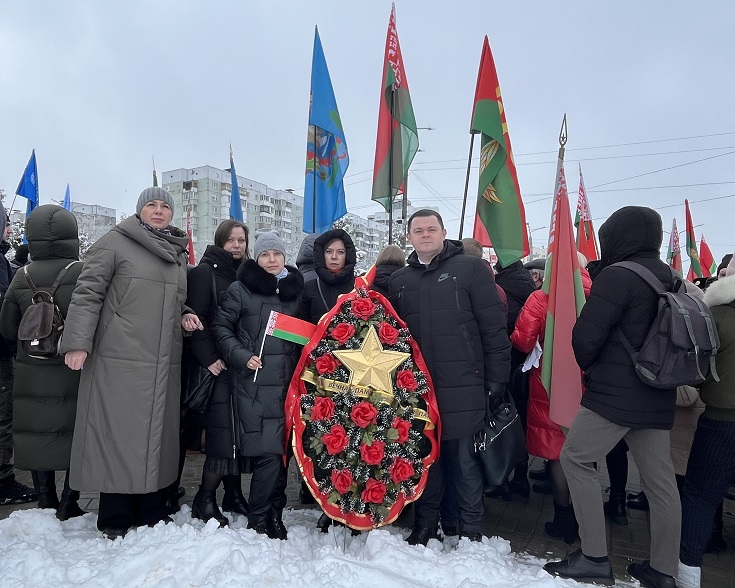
(371, 365)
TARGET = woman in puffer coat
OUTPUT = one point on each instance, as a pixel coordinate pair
(544, 437)
(260, 369)
(45, 391)
(207, 284)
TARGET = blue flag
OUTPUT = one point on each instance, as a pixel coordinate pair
(67, 199)
(235, 204)
(28, 186)
(326, 151)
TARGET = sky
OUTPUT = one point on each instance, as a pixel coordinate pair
(98, 89)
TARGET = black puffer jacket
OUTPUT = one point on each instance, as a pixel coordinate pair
(219, 419)
(455, 314)
(383, 273)
(619, 299)
(45, 391)
(320, 295)
(518, 285)
(239, 328)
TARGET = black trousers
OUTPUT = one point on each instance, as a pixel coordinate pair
(123, 511)
(454, 489)
(267, 488)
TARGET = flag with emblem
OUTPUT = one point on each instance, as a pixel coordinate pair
(673, 255)
(560, 374)
(326, 151)
(695, 269)
(586, 241)
(289, 328)
(28, 186)
(706, 260)
(398, 139)
(500, 208)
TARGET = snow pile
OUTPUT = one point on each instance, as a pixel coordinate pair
(38, 550)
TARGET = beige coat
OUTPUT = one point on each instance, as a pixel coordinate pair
(126, 313)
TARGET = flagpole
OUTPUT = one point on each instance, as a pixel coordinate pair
(390, 163)
(313, 167)
(466, 185)
(563, 137)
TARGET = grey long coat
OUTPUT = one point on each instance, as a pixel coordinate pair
(126, 313)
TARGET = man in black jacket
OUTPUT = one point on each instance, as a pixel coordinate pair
(618, 405)
(453, 311)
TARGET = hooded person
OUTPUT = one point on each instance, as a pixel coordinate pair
(618, 405)
(305, 257)
(20, 259)
(390, 260)
(45, 391)
(125, 326)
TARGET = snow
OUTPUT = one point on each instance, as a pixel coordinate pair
(38, 550)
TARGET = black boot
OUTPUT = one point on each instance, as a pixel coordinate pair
(557, 527)
(503, 491)
(305, 496)
(520, 484)
(540, 474)
(275, 527)
(615, 508)
(638, 501)
(579, 567)
(324, 523)
(69, 504)
(204, 507)
(234, 501)
(571, 530)
(45, 484)
(421, 536)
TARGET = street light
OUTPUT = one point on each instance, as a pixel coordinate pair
(530, 238)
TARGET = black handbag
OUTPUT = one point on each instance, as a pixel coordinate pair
(501, 445)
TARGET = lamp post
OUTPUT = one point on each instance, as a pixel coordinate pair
(530, 238)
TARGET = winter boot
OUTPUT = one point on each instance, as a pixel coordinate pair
(540, 474)
(45, 485)
(69, 504)
(204, 507)
(234, 501)
(556, 527)
(615, 508)
(520, 484)
(275, 527)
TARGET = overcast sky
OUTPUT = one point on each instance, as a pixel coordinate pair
(97, 88)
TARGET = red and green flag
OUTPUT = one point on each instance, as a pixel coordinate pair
(706, 260)
(398, 138)
(500, 208)
(586, 241)
(695, 268)
(560, 373)
(673, 255)
(289, 328)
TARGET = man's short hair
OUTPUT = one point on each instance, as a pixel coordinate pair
(425, 212)
(472, 247)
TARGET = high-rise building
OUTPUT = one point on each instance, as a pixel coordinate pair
(93, 219)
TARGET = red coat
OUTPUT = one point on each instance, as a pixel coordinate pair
(544, 437)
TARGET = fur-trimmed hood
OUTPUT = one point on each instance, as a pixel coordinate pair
(720, 292)
(259, 281)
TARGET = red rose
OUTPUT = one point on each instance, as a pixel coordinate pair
(363, 414)
(323, 408)
(335, 440)
(363, 308)
(342, 332)
(403, 427)
(388, 333)
(374, 491)
(405, 379)
(372, 454)
(341, 480)
(326, 364)
(400, 470)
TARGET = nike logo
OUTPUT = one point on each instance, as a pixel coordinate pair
(443, 277)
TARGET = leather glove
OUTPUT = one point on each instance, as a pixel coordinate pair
(496, 395)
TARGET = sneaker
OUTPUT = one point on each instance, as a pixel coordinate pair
(13, 492)
(579, 567)
(650, 578)
(688, 576)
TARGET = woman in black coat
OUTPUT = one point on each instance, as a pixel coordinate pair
(260, 370)
(207, 284)
(335, 257)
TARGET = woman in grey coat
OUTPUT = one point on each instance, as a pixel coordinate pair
(125, 327)
(260, 373)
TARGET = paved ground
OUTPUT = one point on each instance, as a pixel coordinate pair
(520, 521)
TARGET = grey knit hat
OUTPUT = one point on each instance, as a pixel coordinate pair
(265, 240)
(153, 194)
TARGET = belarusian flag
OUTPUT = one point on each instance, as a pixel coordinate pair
(673, 256)
(289, 328)
(560, 373)
(398, 138)
(499, 205)
(695, 269)
(586, 241)
(706, 260)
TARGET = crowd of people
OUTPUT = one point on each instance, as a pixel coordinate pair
(139, 322)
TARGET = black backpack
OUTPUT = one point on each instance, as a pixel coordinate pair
(42, 325)
(681, 346)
